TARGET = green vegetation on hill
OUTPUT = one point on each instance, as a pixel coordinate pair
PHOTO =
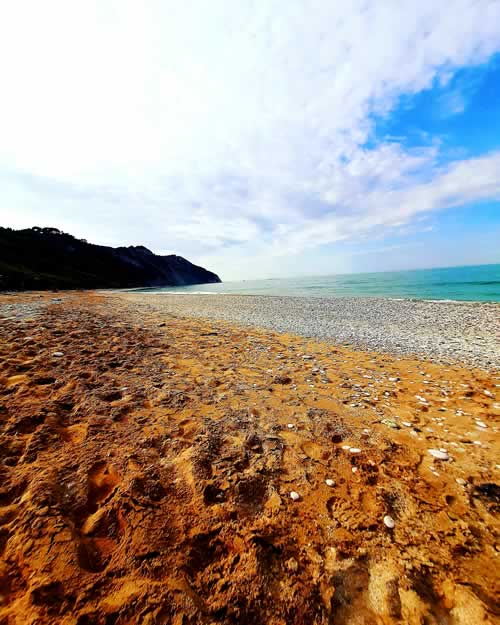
(46, 258)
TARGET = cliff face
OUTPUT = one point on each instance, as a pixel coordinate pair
(45, 258)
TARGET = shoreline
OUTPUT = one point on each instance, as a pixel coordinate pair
(156, 291)
(446, 332)
(143, 290)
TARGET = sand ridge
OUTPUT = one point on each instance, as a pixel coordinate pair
(146, 474)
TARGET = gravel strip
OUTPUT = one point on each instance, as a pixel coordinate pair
(20, 311)
(447, 332)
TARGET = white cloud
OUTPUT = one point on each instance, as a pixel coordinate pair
(201, 125)
(384, 207)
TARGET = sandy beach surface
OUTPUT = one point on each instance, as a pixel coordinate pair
(229, 460)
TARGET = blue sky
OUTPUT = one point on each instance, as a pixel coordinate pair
(258, 139)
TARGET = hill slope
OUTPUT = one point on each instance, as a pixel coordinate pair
(45, 258)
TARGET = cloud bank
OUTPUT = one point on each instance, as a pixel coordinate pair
(232, 130)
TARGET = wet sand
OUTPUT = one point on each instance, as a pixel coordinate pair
(147, 461)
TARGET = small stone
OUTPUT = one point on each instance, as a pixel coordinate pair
(461, 481)
(481, 424)
(439, 454)
(292, 565)
(390, 423)
(407, 424)
(282, 379)
(389, 522)
(330, 482)
(290, 426)
(354, 469)
(294, 496)
(488, 393)
(355, 450)
(58, 354)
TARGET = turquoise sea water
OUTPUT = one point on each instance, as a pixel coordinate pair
(474, 283)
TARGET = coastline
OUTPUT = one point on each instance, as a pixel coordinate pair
(446, 332)
(148, 461)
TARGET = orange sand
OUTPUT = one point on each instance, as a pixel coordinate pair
(145, 476)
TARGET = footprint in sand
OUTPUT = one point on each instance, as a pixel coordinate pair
(101, 530)
(102, 481)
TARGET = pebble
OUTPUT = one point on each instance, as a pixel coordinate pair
(294, 496)
(389, 522)
(461, 481)
(355, 450)
(290, 426)
(330, 482)
(481, 424)
(390, 424)
(439, 454)
(58, 354)
(292, 565)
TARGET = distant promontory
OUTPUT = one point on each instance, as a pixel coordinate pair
(46, 258)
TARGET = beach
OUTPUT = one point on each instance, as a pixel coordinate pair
(444, 331)
(201, 459)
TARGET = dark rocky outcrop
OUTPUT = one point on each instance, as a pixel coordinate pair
(45, 258)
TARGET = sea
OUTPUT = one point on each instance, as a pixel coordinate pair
(478, 283)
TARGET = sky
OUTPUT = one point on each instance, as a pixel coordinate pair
(259, 139)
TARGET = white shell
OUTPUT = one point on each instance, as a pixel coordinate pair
(58, 354)
(389, 522)
(355, 450)
(329, 482)
(439, 454)
(294, 496)
(290, 425)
